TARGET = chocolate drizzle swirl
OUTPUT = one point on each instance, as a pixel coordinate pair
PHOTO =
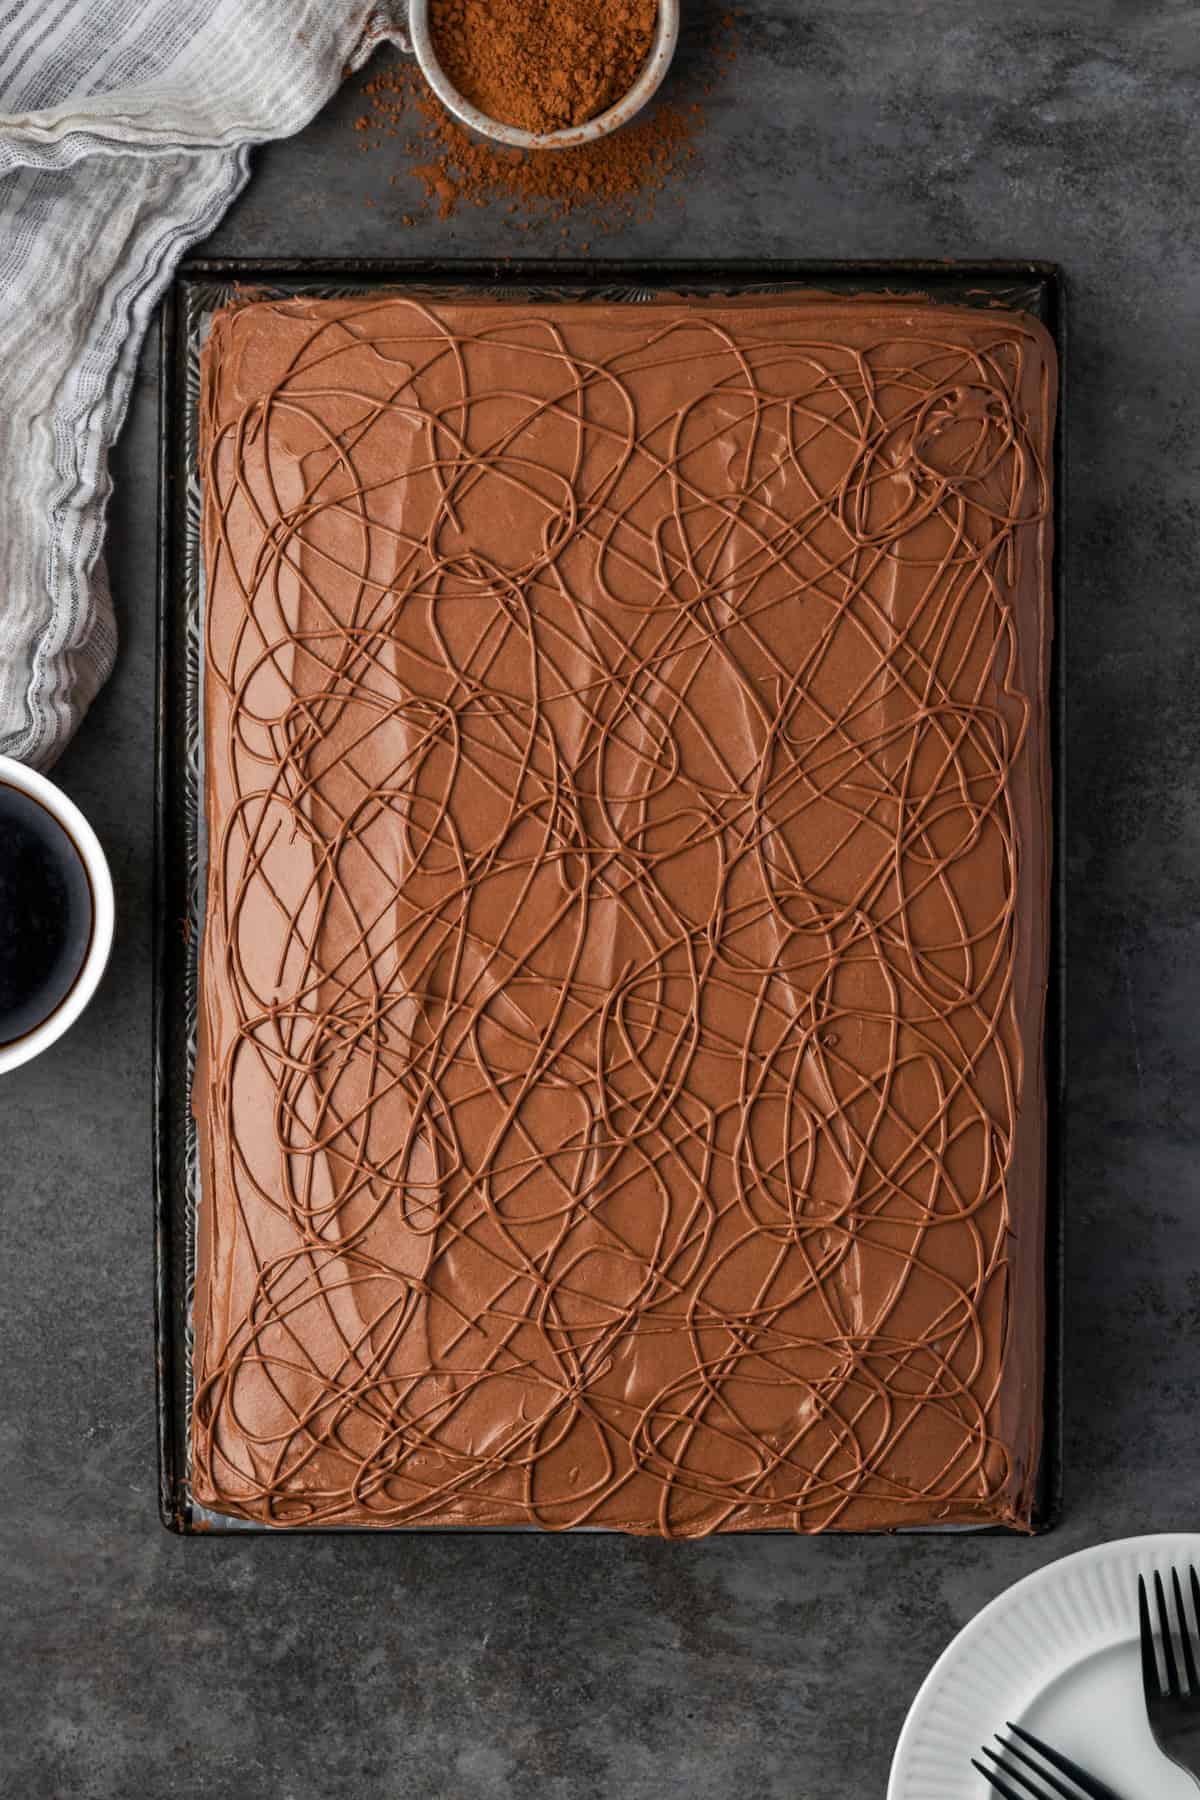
(620, 1090)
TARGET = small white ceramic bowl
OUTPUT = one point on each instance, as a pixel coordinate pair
(28, 781)
(666, 35)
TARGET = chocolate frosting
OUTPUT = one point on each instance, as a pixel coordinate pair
(620, 1088)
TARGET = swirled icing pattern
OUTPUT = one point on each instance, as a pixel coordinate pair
(620, 1090)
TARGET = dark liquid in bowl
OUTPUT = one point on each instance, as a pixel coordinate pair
(45, 914)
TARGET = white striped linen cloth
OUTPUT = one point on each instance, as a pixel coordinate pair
(125, 128)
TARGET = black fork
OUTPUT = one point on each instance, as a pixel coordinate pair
(1016, 1775)
(1172, 1698)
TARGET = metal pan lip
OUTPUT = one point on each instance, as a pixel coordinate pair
(1034, 286)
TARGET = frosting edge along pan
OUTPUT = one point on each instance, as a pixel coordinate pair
(201, 285)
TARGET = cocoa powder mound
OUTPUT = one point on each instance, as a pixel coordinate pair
(614, 180)
(543, 65)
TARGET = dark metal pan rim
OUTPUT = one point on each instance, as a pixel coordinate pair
(1031, 286)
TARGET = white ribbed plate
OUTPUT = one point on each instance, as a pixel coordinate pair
(1057, 1653)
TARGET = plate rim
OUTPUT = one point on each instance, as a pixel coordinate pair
(978, 1627)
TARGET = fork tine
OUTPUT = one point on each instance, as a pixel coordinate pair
(1164, 1627)
(1002, 1787)
(1185, 1636)
(1087, 1784)
(1014, 1751)
(1151, 1686)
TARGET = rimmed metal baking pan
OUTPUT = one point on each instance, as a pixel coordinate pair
(199, 289)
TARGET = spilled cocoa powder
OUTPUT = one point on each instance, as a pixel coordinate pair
(543, 65)
(444, 169)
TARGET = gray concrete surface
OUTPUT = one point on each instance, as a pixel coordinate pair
(135, 1665)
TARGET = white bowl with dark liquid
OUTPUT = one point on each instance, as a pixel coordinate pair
(56, 913)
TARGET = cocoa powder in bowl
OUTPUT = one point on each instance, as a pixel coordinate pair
(542, 65)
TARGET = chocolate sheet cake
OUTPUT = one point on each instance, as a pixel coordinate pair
(620, 1084)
